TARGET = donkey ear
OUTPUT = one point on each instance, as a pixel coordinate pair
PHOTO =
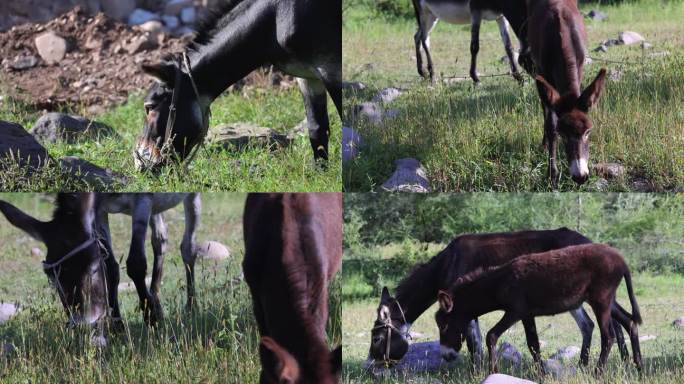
(287, 368)
(385, 296)
(35, 228)
(547, 93)
(445, 302)
(336, 361)
(164, 71)
(592, 93)
(87, 209)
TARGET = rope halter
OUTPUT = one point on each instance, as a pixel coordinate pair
(389, 327)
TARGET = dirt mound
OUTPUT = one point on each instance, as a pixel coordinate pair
(100, 68)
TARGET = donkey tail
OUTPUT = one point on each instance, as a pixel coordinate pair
(636, 316)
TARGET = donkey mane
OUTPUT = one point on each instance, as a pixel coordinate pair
(477, 275)
(420, 274)
(211, 21)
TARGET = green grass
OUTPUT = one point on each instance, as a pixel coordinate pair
(217, 343)
(214, 169)
(488, 138)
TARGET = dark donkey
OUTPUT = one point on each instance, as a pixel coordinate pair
(558, 44)
(300, 37)
(293, 248)
(418, 291)
(542, 284)
(73, 264)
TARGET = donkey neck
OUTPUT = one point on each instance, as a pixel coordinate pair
(478, 297)
(418, 291)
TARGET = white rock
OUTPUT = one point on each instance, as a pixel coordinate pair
(51, 47)
(566, 353)
(188, 15)
(152, 26)
(630, 37)
(7, 311)
(171, 22)
(499, 378)
(174, 7)
(409, 176)
(212, 250)
(118, 9)
(141, 16)
(387, 95)
(36, 252)
(351, 141)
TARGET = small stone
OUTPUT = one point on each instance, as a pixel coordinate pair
(351, 141)
(23, 62)
(51, 47)
(95, 176)
(54, 126)
(213, 250)
(646, 45)
(630, 37)
(174, 7)
(499, 378)
(558, 370)
(409, 176)
(171, 22)
(566, 353)
(36, 252)
(7, 311)
(141, 44)
(153, 26)
(141, 16)
(597, 15)
(188, 15)
(608, 170)
(679, 322)
(387, 95)
(353, 85)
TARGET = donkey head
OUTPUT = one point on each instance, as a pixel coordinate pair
(286, 370)
(156, 146)
(574, 123)
(452, 327)
(389, 340)
(73, 261)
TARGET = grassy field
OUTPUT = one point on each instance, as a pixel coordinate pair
(383, 244)
(214, 169)
(488, 138)
(216, 343)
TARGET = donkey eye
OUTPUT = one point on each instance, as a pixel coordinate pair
(149, 107)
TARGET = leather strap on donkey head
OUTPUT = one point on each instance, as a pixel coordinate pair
(389, 327)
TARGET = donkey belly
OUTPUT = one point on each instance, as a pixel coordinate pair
(454, 12)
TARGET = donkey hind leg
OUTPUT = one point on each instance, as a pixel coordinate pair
(136, 263)
(473, 338)
(192, 206)
(316, 105)
(493, 336)
(602, 312)
(620, 339)
(112, 270)
(508, 47)
(586, 326)
(533, 342)
(622, 316)
(427, 23)
(159, 240)
(475, 21)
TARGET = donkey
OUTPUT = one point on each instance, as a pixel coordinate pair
(469, 11)
(557, 40)
(293, 249)
(531, 286)
(418, 291)
(300, 37)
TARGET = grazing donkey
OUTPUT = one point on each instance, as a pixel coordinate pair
(293, 248)
(541, 284)
(300, 37)
(418, 291)
(469, 11)
(557, 40)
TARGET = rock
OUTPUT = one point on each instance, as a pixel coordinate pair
(353, 85)
(566, 353)
(54, 126)
(188, 15)
(629, 37)
(97, 177)
(601, 184)
(129, 286)
(171, 22)
(36, 252)
(647, 338)
(154, 26)
(212, 250)
(679, 322)
(642, 185)
(370, 111)
(174, 7)
(118, 9)
(351, 141)
(597, 15)
(409, 176)
(499, 378)
(141, 16)
(387, 95)
(23, 62)
(558, 370)
(141, 43)
(615, 74)
(601, 48)
(421, 357)
(8, 349)
(239, 135)
(17, 144)
(7, 311)
(608, 170)
(182, 31)
(646, 45)
(510, 353)
(51, 47)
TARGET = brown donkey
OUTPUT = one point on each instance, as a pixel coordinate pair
(293, 249)
(528, 287)
(557, 41)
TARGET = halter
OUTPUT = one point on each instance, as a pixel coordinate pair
(387, 324)
(171, 121)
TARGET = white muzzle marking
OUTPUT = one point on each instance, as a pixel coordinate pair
(579, 168)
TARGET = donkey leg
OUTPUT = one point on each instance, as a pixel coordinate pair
(474, 343)
(136, 263)
(533, 341)
(159, 240)
(602, 312)
(620, 339)
(475, 21)
(493, 336)
(622, 316)
(551, 141)
(417, 39)
(508, 47)
(427, 23)
(316, 105)
(586, 326)
(192, 206)
(113, 273)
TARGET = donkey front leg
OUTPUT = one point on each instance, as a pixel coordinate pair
(508, 47)
(136, 264)
(475, 21)
(193, 207)
(493, 336)
(474, 343)
(113, 273)
(586, 326)
(316, 105)
(551, 143)
(533, 342)
(159, 240)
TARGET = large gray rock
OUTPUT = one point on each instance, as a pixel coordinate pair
(51, 47)
(118, 9)
(509, 352)
(630, 37)
(239, 135)
(387, 95)
(97, 177)
(212, 250)
(421, 357)
(351, 141)
(409, 176)
(23, 62)
(499, 378)
(7, 311)
(53, 127)
(566, 353)
(17, 144)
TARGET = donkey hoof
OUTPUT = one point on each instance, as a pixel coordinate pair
(117, 325)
